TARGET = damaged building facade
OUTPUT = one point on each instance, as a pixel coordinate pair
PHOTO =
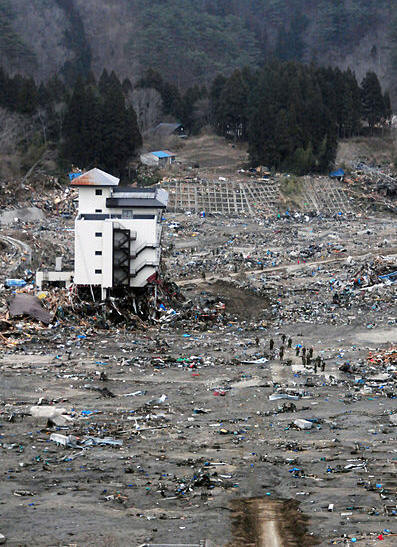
(117, 234)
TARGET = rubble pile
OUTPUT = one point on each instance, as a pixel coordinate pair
(22, 313)
(378, 270)
(79, 308)
(384, 358)
(264, 370)
(42, 191)
(377, 185)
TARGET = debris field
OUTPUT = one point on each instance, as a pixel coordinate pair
(253, 404)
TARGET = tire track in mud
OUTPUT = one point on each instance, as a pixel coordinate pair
(260, 522)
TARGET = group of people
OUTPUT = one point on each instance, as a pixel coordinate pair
(308, 361)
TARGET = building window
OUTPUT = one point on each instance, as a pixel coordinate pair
(98, 234)
(98, 271)
(98, 192)
(98, 210)
(127, 213)
(98, 253)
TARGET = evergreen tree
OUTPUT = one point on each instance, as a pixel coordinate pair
(100, 130)
(3, 88)
(373, 105)
(92, 128)
(118, 142)
(233, 106)
(127, 86)
(291, 127)
(172, 101)
(57, 90)
(104, 81)
(388, 112)
(153, 79)
(74, 145)
(215, 93)
(352, 104)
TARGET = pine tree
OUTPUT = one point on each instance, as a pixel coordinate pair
(152, 78)
(104, 81)
(113, 127)
(100, 130)
(215, 93)
(57, 90)
(127, 86)
(291, 126)
(388, 112)
(120, 134)
(172, 101)
(73, 146)
(91, 128)
(373, 106)
(233, 106)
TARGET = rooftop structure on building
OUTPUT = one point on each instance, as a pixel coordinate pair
(168, 130)
(95, 177)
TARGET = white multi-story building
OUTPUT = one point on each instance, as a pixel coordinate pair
(117, 232)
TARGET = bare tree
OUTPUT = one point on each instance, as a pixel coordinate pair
(148, 106)
(60, 113)
(43, 119)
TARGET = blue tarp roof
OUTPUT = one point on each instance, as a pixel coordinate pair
(338, 173)
(161, 154)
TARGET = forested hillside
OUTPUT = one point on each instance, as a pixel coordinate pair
(190, 41)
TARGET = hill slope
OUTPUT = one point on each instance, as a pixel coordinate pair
(191, 40)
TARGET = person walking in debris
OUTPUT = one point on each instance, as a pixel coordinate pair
(283, 338)
(203, 275)
(311, 353)
(315, 367)
(297, 350)
(271, 345)
(257, 341)
(289, 342)
(281, 353)
(322, 365)
(303, 351)
(318, 361)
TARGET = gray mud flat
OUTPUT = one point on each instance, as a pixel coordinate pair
(204, 452)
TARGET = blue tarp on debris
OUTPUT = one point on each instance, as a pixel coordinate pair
(392, 276)
(337, 174)
(74, 175)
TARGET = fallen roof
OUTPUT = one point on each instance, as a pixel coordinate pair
(95, 177)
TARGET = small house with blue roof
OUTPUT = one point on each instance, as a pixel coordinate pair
(159, 158)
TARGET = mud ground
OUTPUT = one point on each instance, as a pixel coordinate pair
(246, 452)
(187, 463)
